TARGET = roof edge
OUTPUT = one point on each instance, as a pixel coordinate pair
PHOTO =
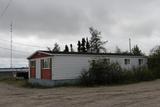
(82, 53)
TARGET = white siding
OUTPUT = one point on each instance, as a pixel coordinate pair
(38, 69)
(53, 67)
(70, 66)
(29, 69)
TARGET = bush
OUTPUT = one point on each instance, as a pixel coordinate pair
(154, 65)
(143, 74)
(103, 73)
(85, 78)
(154, 61)
(128, 77)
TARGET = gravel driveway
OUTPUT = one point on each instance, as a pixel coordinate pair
(135, 95)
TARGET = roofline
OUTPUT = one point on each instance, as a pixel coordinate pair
(99, 55)
(39, 51)
(81, 53)
(89, 53)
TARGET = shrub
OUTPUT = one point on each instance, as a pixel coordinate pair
(143, 74)
(101, 73)
(154, 61)
(85, 78)
(127, 77)
(154, 65)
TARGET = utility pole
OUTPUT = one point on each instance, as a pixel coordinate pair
(11, 46)
(130, 45)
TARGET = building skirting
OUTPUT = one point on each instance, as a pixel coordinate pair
(52, 83)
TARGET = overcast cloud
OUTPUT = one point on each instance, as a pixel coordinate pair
(44, 22)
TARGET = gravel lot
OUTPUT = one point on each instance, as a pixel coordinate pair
(135, 95)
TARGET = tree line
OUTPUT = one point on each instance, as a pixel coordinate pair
(94, 44)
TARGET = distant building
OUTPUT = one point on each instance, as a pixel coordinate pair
(14, 72)
(47, 68)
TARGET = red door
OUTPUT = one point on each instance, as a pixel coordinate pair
(32, 69)
(32, 72)
(46, 74)
(46, 69)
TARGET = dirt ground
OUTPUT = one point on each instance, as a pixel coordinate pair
(135, 95)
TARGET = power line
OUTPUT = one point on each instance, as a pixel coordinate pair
(18, 43)
(19, 54)
(29, 45)
(13, 50)
(5, 9)
(7, 48)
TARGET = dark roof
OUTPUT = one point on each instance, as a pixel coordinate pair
(87, 53)
(22, 69)
(16, 68)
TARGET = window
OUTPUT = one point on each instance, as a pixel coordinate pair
(32, 64)
(45, 63)
(107, 60)
(140, 61)
(126, 61)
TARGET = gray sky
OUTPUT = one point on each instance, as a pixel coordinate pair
(43, 22)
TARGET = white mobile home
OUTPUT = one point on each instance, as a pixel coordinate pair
(48, 68)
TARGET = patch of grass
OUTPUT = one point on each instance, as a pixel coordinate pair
(21, 83)
(14, 81)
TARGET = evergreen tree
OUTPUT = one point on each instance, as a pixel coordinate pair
(87, 45)
(96, 44)
(71, 47)
(83, 48)
(136, 50)
(66, 49)
(79, 46)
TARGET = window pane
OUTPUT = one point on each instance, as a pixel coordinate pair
(46, 63)
(33, 64)
(140, 61)
(42, 63)
(127, 61)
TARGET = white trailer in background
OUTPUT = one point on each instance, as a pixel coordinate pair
(47, 68)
